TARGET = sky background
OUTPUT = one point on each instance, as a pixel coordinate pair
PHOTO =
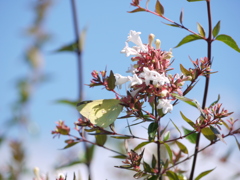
(108, 26)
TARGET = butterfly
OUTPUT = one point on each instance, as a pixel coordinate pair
(101, 112)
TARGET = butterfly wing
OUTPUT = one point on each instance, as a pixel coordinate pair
(100, 112)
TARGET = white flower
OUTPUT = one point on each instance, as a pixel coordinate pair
(131, 69)
(130, 51)
(120, 80)
(154, 77)
(135, 38)
(135, 80)
(165, 105)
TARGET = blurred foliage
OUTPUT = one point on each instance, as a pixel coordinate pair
(25, 86)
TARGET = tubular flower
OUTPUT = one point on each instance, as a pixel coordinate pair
(135, 80)
(135, 38)
(120, 80)
(153, 77)
(130, 51)
(165, 105)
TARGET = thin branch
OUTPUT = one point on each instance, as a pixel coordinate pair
(209, 49)
(179, 25)
(79, 70)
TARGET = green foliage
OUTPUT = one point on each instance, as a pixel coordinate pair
(172, 175)
(137, 10)
(141, 145)
(70, 143)
(192, 137)
(101, 138)
(159, 8)
(111, 81)
(228, 40)
(188, 38)
(182, 147)
(203, 174)
(185, 71)
(169, 151)
(166, 136)
(200, 30)
(215, 102)
(152, 130)
(154, 161)
(208, 133)
(238, 144)
(147, 167)
(187, 120)
(176, 127)
(216, 29)
(181, 16)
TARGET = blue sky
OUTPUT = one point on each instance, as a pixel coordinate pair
(108, 25)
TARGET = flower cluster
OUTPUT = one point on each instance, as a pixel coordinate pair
(133, 160)
(149, 78)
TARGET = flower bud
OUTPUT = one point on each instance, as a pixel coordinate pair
(157, 43)
(150, 39)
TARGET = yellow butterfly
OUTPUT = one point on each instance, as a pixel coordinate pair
(101, 112)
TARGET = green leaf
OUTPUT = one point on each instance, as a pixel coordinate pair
(228, 40)
(154, 161)
(225, 124)
(182, 147)
(174, 25)
(187, 120)
(138, 175)
(89, 153)
(215, 102)
(141, 145)
(159, 8)
(100, 139)
(185, 71)
(176, 127)
(169, 151)
(194, 0)
(136, 10)
(68, 102)
(111, 81)
(181, 17)
(200, 30)
(119, 157)
(121, 137)
(208, 133)
(162, 131)
(70, 144)
(166, 136)
(69, 47)
(187, 39)
(146, 167)
(203, 174)
(152, 130)
(237, 142)
(73, 47)
(192, 137)
(216, 29)
(172, 175)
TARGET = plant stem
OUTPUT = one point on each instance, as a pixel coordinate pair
(80, 75)
(209, 51)
(158, 140)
